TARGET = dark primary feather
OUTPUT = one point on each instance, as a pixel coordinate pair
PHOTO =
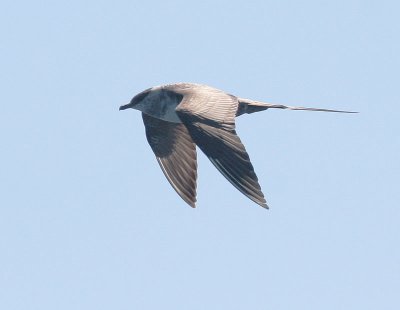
(175, 153)
(210, 121)
(225, 150)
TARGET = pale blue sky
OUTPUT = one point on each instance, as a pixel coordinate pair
(87, 219)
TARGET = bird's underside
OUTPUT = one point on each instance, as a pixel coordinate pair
(205, 117)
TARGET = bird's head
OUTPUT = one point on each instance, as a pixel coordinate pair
(138, 102)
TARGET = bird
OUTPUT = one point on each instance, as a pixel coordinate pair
(180, 116)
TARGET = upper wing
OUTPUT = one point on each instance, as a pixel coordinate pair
(210, 105)
(210, 121)
(176, 155)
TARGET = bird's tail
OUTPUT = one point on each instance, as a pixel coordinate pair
(250, 106)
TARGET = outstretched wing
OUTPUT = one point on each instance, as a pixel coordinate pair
(210, 118)
(175, 153)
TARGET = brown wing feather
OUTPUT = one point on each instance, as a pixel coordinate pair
(210, 104)
(176, 155)
(225, 150)
(210, 120)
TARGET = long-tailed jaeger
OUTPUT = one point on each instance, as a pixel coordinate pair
(177, 117)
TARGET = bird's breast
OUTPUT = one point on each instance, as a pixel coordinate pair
(161, 104)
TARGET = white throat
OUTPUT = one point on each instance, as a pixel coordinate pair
(160, 104)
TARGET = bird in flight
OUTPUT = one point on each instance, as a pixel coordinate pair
(177, 117)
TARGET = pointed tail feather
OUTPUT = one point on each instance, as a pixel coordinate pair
(249, 106)
(279, 106)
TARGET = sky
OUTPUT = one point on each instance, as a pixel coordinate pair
(87, 218)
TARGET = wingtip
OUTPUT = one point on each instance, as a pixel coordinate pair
(262, 202)
(192, 204)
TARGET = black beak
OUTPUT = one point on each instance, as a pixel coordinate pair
(125, 106)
